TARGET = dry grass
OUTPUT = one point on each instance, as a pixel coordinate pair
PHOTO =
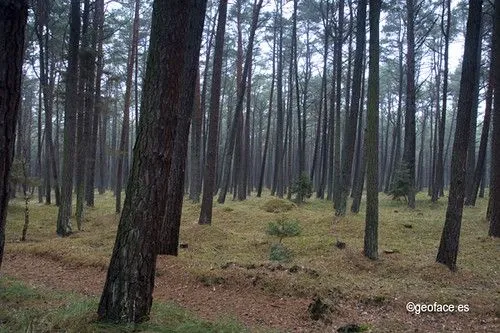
(238, 236)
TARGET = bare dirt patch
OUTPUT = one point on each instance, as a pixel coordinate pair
(215, 298)
(252, 307)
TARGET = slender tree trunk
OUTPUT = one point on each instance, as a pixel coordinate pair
(385, 146)
(410, 136)
(41, 17)
(481, 156)
(494, 218)
(338, 105)
(352, 118)
(471, 146)
(91, 158)
(196, 127)
(70, 110)
(213, 125)
(323, 156)
(396, 139)
(84, 86)
(420, 164)
(269, 112)
(124, 141)
(278, 167)
(439, 178)
(448, 247)
(103, 157)
(371, 219)
(358, 187)
(243, 188)
(239, 105)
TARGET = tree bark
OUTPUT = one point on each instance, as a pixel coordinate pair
(410, 136)
(13, 16)
(494, 230)
(338, 105)
(196, 127)
(277, 187)
(213, 125)
(70, 110)
(124, 141)
(270, 108)
(239, 106)
(169, 81)
(85, 88)
(352, 118)
(371, 152)
(97, 41)
(481, 155)
(448, 247)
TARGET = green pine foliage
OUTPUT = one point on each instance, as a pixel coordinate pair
(280, 253)
(302, 188)
(401, 183)
(283, 228)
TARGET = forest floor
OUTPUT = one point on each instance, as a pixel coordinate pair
(224, 281)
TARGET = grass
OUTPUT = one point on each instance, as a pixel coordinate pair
(406, 270)
(26, 309)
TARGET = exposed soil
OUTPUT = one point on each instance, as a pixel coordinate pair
(246, 302)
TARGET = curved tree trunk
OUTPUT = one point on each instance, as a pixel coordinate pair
(168, 85)
(448, 247)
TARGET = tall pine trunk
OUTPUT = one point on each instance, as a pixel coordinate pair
(168, 96)
(494, 218)
(124, 141)
(448, 247)
(410, 131)
(70, 110)
(213, 125)
(371, 148)
(352, 117)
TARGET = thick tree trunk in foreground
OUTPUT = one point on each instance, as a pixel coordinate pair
(371, 152)
(70, 109)
(169, 81)
(13, 15)
(448, 247)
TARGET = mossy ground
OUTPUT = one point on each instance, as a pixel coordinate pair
(406, 270)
